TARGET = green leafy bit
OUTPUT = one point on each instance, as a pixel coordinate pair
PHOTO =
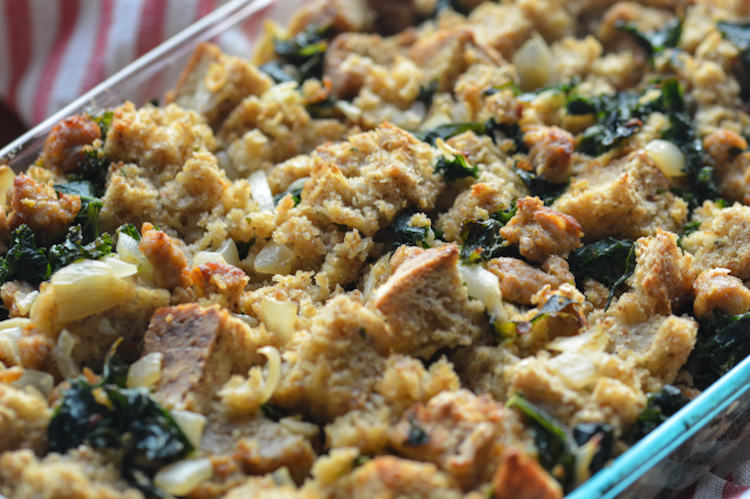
(295, 193)
(106, 415)
(555, 444)
(546, 191)
(427, 93)
(659, 408)
(584, 432)
(276, 71)
(739, 35)
(416, 436)
(610, 261)
(406, 233)
(722, 343)
(272, 411)
(456, 168)
(88, 216)
(130, 230)
(449, 130)
(554, 306)
(93, 169)
(690, 227)
(620, 115)
(508, 130)
(73, 248)
(360, 460)
(24, 260)
(305, 51)
(482, 240)
(104, 120)
(655, 41)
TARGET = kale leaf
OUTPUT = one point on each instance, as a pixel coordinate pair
(405, 233)
(24, 260)
(93, 169)
(276, 71)
(722, 343)
(88, 216)
(295, 192)
(449, 130)
(272, 411)
(546, 191)
(482, 240)
(73, 248)
(610, 261)
(555, 444)
(305, 51)
(583, 432)
(739, 35)
(655, 41)
(456, 168)
(104, 120)
(427, 93)
(416, 436)
(130, 422)
(659, 408)
(130, 230)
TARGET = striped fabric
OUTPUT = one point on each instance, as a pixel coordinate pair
(52, 51)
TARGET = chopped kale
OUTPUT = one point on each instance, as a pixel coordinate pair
(130, 230)
(610, 261)
(106, 415)
(427, 93)
(511, 85)
(507, 332)
(449, 130)
(456, 168)
(482, 240)
(405, 233)
(553, 306)
(104, 120)
(583, 432)
(305, 51)
(555, 444)
(24, 260)
(360, 460)
(739, 35)
(653, 42)
(322, 109)
(276, 71)
(690, 227)
(546, 191)
(416, 436)
(508, 130)
(659, 408)
(88, 216)
(295, 193)
(73, 248)
(722, 343)
(93, 169)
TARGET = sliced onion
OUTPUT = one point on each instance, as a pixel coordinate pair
(260, 191)
(667, 157)
(87, 287)
(191, 424)
(145, 371)
(9, 348)
(295, 425)
(203, 257)
(7, 176)
(274, 259)
(576, 370)
(228, 250)
(380, 267)
(63, 355)
(250, 321)
(106, 328)
(485, 287)
(274, 372)
(182, 477)
(16, 322)
(127, 249)
(534, 63)
(24, 304)
(44, 382)
(592, 340)
(280, 317)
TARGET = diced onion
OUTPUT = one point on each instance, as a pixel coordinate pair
(106, 328)
(9, 349)
(145, 371)
(260, 191)
(295, 425)
(352, 112)
(182, 477)
(576, 370)
(44, 382)
(203, 257)
(667, 157)
(534, 63)
(191, 424)
(87, 287)
(280, 317)
(127, 249)
(24, 304)
(16, 322)
(63, 355)
(274, 372)
(7, 176)
(382, 266)
(250, 321)
(282, 477)
(274, 259)
(592, 340)
(228, 249)
(485, 287)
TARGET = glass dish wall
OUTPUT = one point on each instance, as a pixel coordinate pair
(667, 460)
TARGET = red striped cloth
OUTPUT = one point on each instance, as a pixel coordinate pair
(52, 51)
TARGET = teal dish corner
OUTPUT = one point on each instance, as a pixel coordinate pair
(678, 452)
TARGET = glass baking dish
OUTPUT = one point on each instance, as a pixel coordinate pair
(666, 461)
